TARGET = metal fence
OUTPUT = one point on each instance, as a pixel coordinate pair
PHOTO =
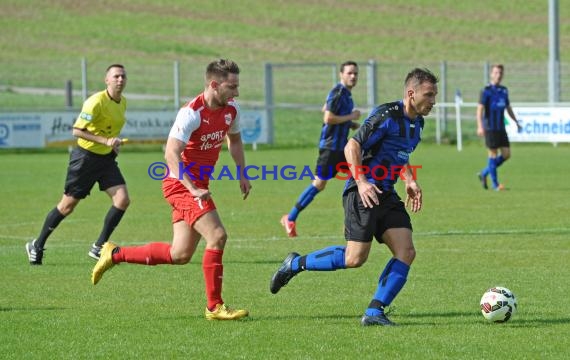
(296, 86)
(303, 84)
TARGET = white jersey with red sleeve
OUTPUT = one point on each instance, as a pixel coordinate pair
(204, 130)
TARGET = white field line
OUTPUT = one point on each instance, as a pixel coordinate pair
(334, 237)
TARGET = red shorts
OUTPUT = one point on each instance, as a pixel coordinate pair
(184, 207)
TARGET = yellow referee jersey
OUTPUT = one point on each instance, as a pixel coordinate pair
(101, 115)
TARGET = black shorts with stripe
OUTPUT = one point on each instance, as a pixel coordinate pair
(361, 224)
(86, 168)
(327, 163)
(496, 139)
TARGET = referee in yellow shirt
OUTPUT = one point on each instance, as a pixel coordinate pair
(93, 160)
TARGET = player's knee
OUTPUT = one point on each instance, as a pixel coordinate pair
(355, 261)
(218, 238)
(320, 185)
(66, 208)
(65, 211)
(185, 259)
(181, 257)
(409, 255)
(122, 202)
(506, 156)
(406, 255)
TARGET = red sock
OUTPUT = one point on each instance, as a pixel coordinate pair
(213, 275)
(149, 254)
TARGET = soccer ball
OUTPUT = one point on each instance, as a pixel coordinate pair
(498, 304)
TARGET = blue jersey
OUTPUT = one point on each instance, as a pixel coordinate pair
(495, 99)
(387, 138)
(339, 102)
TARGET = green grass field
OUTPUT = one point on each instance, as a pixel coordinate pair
(44, 41)
(467, 240)
(263, 30)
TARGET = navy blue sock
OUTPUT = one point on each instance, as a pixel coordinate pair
(499, 160)
(486, 170)
(390, 283)
(327, 259)
(304, 200)
(493, 172)
(375, 308)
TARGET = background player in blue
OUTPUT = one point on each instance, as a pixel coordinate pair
(339, 114)
(371, 205)
(490, 123)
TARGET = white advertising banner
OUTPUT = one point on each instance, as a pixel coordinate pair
(21, 130)
(57, 126)
(140, 125)
(540, 124)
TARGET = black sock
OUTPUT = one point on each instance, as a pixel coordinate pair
(53, 219)
(114, 216)
(375, 304)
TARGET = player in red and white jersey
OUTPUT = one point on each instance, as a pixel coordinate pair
(203, 130)
(195, 141)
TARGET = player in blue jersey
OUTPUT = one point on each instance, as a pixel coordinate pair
(493, 102)
(338, 119)
(372, 207)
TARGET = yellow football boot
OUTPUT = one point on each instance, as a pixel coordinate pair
(104, 263)
(222, 312)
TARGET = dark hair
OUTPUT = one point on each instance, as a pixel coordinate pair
(419, 76)
(499, 66)
(347, 63)
(114, 66)
(220, 69)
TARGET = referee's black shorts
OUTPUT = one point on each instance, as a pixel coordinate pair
(361, 223)
(327, 163)
(496, 139)
(86, 168)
